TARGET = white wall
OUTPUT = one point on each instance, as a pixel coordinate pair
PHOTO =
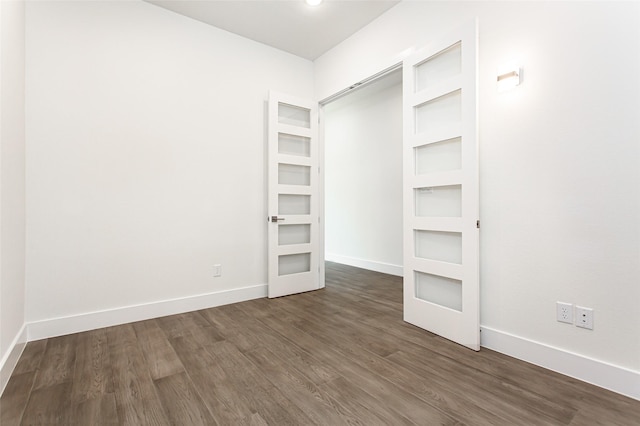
(559, 159)
(145, 161)
(363, 177)
(12, 186)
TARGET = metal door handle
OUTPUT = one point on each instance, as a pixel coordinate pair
(275, 219)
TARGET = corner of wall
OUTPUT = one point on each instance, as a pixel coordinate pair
(13, 334)
(10, 360)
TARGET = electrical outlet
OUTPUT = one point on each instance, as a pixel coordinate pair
(564, 312)
(217, 270)
(584, 317)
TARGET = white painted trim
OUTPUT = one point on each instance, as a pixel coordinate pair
(92, 320)
(614, 378)
(372, 265)
(321, 198)
(10, 359)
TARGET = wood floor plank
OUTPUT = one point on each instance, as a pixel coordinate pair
(255, 333)
(255, 390)
(349, 328)
(592, 415)
(182, 402)
(15, 398)
(211, 381)
(49, 405)
(295, 386)
(135, 393)
(97, 410)
(257, 420)
(367, 409)
(224, 325)
(160, 356)
(31, 357)
(181, 324)
(93, 377)
(58, 362)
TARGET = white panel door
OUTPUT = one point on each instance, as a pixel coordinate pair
(293, 196)
(441, 279)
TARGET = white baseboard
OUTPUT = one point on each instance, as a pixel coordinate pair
(614, 378)
(93, 320)
(10, 359)
(385, 268)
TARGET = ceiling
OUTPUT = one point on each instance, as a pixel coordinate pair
(289, 25)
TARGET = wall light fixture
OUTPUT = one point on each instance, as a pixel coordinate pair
(509, 78)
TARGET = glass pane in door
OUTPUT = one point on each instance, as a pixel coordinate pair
(439, 157)
(439, 114)
(439, 201)
(442, 291)
(439, 245)
(293, 174)
(294, 204)
(439, 67)
(294, 234)
(294, 116)
(294, 263)
(294, 145)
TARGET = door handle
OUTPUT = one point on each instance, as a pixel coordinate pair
(275, 219)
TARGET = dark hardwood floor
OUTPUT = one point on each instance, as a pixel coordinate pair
(336, 356)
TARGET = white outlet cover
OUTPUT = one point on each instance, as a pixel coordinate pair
(564, 312)
(584, 317)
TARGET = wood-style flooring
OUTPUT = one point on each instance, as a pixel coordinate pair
(336, 356)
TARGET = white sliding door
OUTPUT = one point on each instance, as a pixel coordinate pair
(441, 280)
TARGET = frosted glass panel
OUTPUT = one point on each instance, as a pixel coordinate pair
(439, 201)
(294, 234)
(439, 68)
(442, 291)
(439, 156)
(441, 113)
(293, 115)
(291, 174)
(294, 263)
(294, 204)
(294, 145)
(442, 246)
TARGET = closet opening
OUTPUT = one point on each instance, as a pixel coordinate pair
(362, 140)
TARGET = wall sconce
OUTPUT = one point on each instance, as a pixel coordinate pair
(509, 78)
